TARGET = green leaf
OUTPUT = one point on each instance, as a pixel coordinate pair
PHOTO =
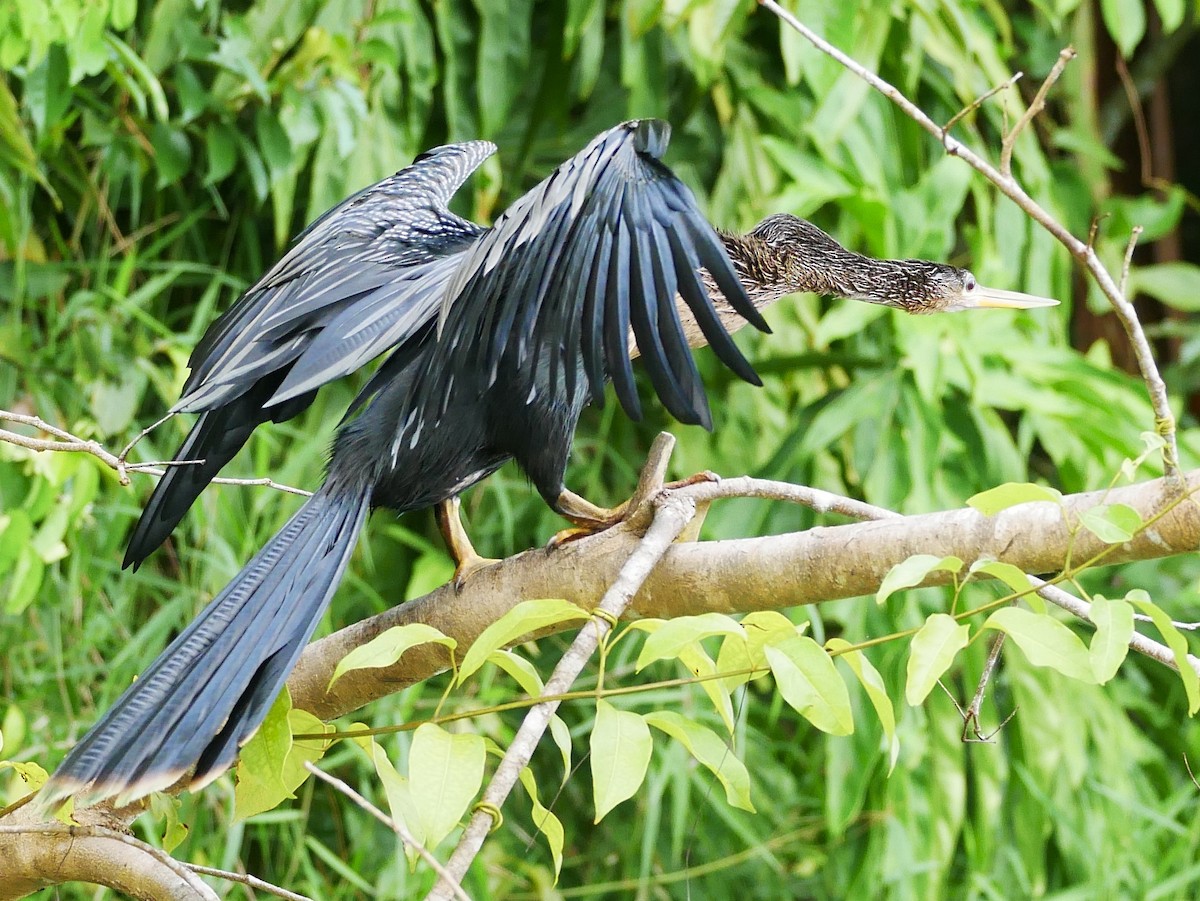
(395, 789)
(220, 149)
(1012, 576)
(522, 620)
(260, 784)
(810, 683)
(872, 683)
(544, 821)
(933, 650)
(696, 659)
(620, 747)
(913, 571)
(172, 153)
(1111, 523)
(1010, 494)
(1126, 22)
(1045, 641)
(744, 652)
(1175, 284)
(1175, 641)
(445, 773)
(166, 808)
(33, 774)
(668, 638)
(1110, 644)
(709, 751)
(388, 647)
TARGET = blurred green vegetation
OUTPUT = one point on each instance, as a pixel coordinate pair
(156, 157)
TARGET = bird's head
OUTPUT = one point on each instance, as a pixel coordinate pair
(795, 253)
(925, 287)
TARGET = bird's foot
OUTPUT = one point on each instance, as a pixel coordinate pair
(586, 517)
(697, 479)
(467, 561)
(467, 567)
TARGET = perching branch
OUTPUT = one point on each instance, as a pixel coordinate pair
(1004, 181)
(741, 575)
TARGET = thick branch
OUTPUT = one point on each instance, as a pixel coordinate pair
(745, 574)
(36, 855)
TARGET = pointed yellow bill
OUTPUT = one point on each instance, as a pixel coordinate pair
(997, 298)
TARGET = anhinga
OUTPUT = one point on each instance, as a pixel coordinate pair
(498, 338)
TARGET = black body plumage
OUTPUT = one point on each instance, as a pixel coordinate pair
(498, 338)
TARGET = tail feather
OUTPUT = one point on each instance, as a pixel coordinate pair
(214, 440)
(207, 693)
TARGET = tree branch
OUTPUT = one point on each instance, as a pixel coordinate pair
(740, 575)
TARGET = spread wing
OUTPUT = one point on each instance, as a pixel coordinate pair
(361, 278)
(598, 251)
(367, 275)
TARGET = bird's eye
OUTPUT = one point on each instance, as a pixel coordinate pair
(969, 282)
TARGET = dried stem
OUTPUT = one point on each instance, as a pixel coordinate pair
(979, 101)
(247, 880)
(456, 890)
(1084, 252)
(68, 443)
(1039, 103)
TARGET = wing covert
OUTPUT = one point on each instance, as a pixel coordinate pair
(597, 252)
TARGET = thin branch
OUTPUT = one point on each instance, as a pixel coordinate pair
(68, 443)
(672, 512)
(971, 714)
(1084, 252)
(246, 879)
(455, 887)
(1130, 246)
(1039, 103)
(979, 101)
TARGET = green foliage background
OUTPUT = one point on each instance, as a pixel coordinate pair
(156, 157)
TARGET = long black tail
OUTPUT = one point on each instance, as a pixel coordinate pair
(215, 439)
(207, 693)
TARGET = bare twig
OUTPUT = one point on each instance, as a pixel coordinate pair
(1134, 234)
(246, 879)
(971, 714)
(1139, 121)
(672, 512)
(1039, 103)
(1084, 252)
(1182, 627)
(68, 443)
(455, 888)
(978, 102)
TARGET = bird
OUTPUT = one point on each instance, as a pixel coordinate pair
(496, 338)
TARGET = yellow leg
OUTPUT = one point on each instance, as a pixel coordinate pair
(466, 560)
(588, 519)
